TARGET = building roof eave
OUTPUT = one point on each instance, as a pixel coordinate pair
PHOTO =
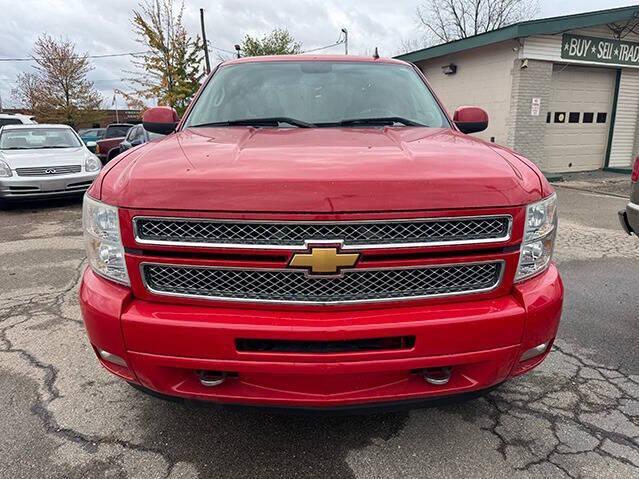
(544, 26)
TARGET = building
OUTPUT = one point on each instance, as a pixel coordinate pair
(103, 118)
(563, 91)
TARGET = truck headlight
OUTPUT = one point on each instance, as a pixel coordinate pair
(539, 238)
(102, 238)
(92, 164)
(5, 171)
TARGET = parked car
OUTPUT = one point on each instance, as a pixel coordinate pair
(138, 136)
(109, 147)
(90, 136)
(319, 233)
(630, 216)
(15, 119)
(42, 161)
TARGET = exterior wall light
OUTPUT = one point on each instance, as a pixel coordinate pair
(450, 69)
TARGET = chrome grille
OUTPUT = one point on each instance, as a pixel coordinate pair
(357, 234)
(290, 286)
(49, 170)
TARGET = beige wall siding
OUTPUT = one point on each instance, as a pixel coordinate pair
(483, 78)
(625, 131)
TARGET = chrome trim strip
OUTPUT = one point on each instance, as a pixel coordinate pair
(501, 262)
(340, 242)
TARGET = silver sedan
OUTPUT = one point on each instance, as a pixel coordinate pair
(39, 161)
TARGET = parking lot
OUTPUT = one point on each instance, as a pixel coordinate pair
(63, 416)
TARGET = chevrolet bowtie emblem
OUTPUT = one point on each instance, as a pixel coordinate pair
(324, 260)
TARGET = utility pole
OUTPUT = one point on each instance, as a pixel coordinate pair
(206, 45)
(114, 103)
(345, 32)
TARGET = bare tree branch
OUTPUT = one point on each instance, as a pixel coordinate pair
(447, 20)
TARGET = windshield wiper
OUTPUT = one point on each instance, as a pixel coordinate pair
(270, 121)
(386, 120)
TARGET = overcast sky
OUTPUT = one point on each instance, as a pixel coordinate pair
(103, 27)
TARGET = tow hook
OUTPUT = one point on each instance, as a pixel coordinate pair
(211, 379)
(437, 376)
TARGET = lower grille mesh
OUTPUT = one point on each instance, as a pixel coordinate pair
(360, 285)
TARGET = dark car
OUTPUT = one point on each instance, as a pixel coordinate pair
(630, 216)
(109, 146)
(138, 136)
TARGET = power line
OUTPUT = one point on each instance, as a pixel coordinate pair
(110, 55)
(219, 49)
(341, 42)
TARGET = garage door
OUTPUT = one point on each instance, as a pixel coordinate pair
(578, 118)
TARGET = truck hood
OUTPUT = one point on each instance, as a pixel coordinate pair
(325, 170)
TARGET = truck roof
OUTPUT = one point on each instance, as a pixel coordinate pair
(314, 58)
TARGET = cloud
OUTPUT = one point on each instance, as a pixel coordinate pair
(104, 27)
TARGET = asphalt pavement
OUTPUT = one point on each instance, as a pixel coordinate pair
(62, 416)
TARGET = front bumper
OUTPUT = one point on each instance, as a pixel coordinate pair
(166, 345)
(629, 218)
(30, 187)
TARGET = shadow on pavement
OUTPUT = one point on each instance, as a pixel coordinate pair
(251, 443)
(35, 205)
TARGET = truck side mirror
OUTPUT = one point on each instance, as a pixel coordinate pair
(160, 119)
(470, 119)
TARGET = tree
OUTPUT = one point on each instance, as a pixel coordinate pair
(278, 42)
(27, 91)
(172, 66)
(448, 20)
(59, 91)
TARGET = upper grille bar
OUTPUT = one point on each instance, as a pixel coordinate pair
(359, 285)
(296, 235)
(48, 170)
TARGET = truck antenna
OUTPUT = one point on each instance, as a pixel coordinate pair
(376, 54)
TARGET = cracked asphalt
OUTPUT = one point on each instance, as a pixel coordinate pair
(62, 416)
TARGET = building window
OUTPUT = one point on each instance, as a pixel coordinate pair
(588, 117)
(601, 117)
(573, 117)
(560, 117)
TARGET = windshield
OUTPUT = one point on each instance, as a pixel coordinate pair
(320, 93)
(116, 131)
(38, 138)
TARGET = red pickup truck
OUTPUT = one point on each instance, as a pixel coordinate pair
(317, 232)
(109, 146)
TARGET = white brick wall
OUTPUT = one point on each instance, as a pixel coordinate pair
(526, 132)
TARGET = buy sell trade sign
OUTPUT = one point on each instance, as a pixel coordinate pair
(599, 50)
